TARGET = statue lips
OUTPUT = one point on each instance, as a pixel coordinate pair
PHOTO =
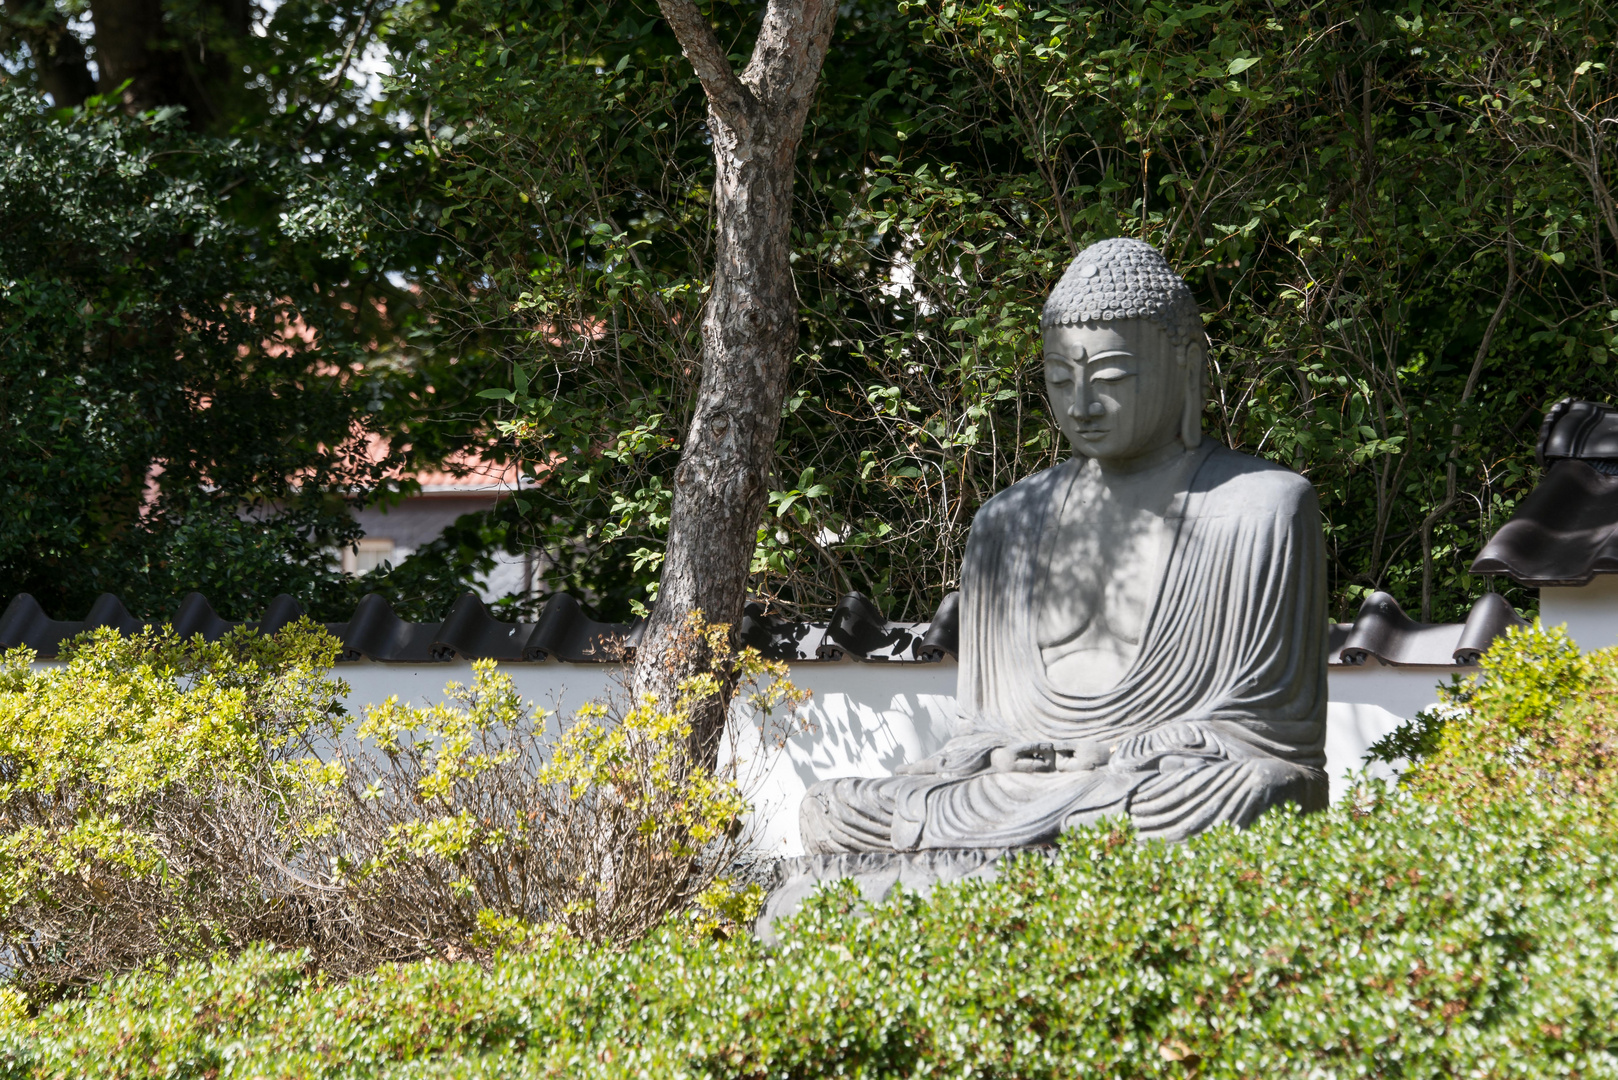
(1092, 439)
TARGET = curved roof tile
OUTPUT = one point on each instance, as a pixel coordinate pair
(374, 632)
(1584, 430)
(1382, 630)
(1564, 533)
(1566, 530)
(943, 636)
(564, 632)
(857, 631)
(197, 616)
(470, 632)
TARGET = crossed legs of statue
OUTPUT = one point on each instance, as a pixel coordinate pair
(1169, 795)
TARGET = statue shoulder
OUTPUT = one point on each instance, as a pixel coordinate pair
(1234, 479)
(1013, 505)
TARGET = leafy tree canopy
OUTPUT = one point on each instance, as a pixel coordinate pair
(204, 362)
(1397, 219)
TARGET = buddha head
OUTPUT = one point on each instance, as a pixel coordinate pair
(1124, 351)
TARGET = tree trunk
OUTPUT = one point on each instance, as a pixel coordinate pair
(750, 331)
(135, 45)
(128, 36)
(59, 58)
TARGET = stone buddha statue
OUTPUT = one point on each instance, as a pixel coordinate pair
(1142, 627)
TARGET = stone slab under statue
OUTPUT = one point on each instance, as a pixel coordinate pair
(1142, 627)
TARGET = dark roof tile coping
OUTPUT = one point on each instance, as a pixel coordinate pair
(469, 631)
(1566, 530)
(1564, 533)
(1382, 629)
(1585, 430)
(857, 630)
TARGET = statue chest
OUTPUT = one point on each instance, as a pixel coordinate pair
(1105, 560)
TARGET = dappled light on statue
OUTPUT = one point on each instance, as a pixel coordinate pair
(1141, 625)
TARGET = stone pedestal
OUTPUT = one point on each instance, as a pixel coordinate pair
(876, 874)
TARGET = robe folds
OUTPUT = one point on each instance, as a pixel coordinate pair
(1221, 716)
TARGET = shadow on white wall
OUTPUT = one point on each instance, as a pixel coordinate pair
(866, 719)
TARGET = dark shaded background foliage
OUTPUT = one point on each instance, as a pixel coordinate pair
(186, 400)
(1397, 219)
(140, 406)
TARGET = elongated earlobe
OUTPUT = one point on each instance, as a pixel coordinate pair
(1191, 414)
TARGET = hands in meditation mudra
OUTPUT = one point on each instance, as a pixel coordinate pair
(1142, 627)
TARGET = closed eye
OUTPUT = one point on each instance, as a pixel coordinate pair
(1058, 375)
(1110, 373)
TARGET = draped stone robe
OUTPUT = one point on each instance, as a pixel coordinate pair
(1221, 715)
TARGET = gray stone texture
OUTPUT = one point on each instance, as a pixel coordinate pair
(1124, 279)
(1142, 627)
(875, 874)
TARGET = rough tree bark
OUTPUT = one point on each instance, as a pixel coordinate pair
(749, 328)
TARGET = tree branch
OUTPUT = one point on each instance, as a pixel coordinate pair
(791, 48)
(1450, 496)
(727, 95)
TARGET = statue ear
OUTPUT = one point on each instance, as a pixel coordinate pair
(1191, 356)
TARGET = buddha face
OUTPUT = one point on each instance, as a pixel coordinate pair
(1116, 388)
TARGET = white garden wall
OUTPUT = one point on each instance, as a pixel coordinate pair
(1590, 612)
(864, 719)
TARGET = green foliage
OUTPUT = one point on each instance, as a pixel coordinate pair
(187, 401)
(162, 798)
(1398, 220)
(1372, 242)
(1528, 675)
(1540, 722)
(1414, 740)
(1384, 938)
(478, 823)
(1467, 925)
(154, 373)
(568, 164)
(1395, 219)
(125, 769)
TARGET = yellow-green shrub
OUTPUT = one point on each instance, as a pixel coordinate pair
(469, 822)
(142, 783)
(163, 798)
(1539, 721)
(1384, 938)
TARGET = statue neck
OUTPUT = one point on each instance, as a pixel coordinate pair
(1128, 469)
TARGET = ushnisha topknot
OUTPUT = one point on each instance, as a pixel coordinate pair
(1124, 278)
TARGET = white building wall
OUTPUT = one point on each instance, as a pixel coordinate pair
(865, 719)
(1590, 612)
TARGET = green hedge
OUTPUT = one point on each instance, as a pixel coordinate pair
(1386, 937)
(1464, 926)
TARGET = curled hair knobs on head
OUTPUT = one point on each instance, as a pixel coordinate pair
(1124, 278)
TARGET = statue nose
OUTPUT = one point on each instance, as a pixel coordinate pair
(1096, 408)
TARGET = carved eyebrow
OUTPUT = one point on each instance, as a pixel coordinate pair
(1111, 354)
